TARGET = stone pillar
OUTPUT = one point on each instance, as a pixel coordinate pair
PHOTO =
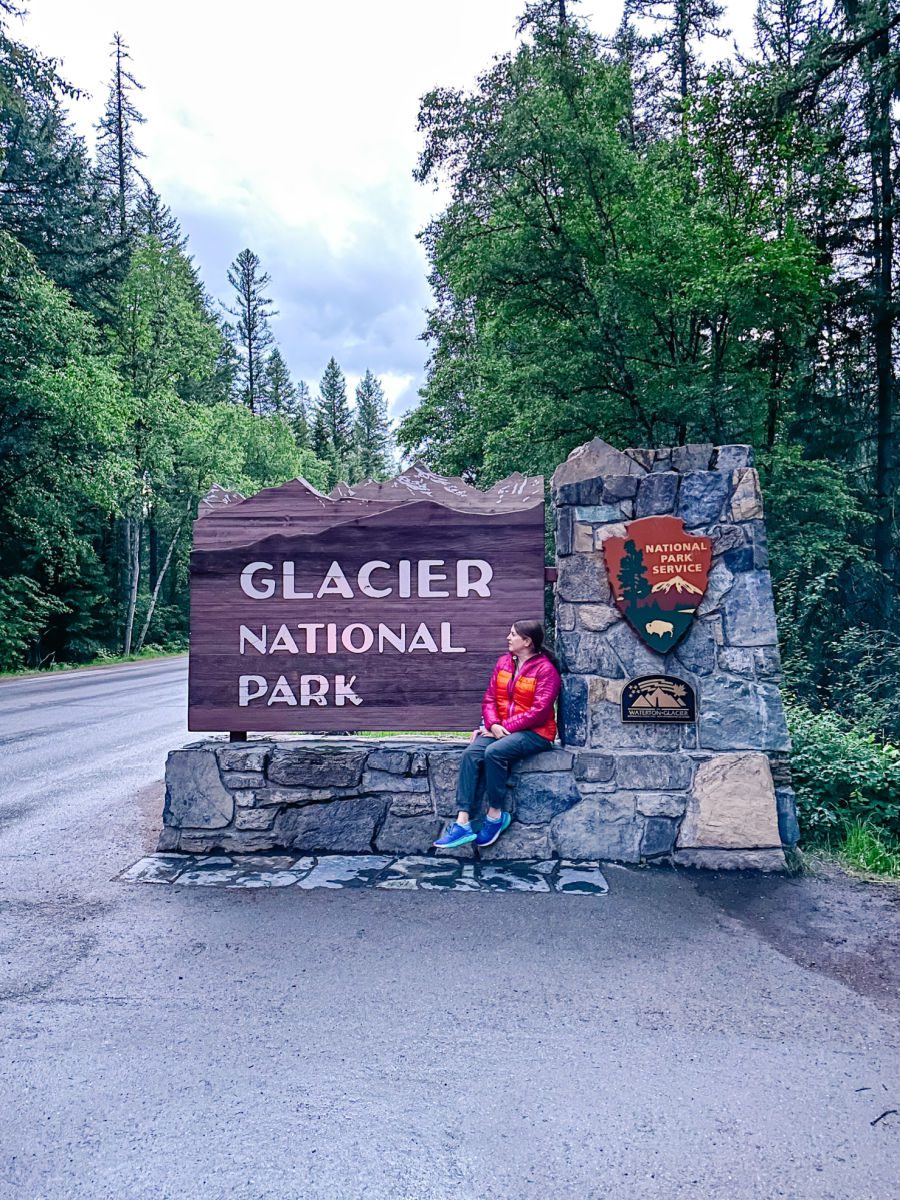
(702, 793)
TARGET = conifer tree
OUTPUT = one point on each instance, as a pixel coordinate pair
(251, 335)
(332, 406)
(300, 419)
(371, 429)
(280, 391)
(117, 151)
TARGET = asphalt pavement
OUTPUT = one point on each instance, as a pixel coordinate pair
(686, 1035)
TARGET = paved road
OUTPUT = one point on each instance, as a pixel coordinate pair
(685, 1037)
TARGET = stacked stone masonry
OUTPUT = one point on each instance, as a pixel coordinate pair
(712, 794)
(358, 795)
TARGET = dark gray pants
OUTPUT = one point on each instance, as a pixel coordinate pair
(493, 757)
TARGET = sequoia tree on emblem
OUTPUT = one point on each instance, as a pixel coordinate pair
(658, 574)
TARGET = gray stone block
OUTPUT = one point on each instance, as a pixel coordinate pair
(585, 491)
(565, 531)
(386, 781)
(539, 798)
(732, 860)
(407, 835)
(739, 559)
(657, 494)
(649, 771)
(695, 456)
(583, 577)
(767, 662)
(662, 460)
(594, 768)
(601, 514)
(255, 818)
(732, 458)
(697, 650)
(443, 772)
(520, 842)
(243, 782)
(556, 759)
(718, 586)
(587, 654)
(565, 617)
(396, 761)
(749, 611)
(701, 498)
(788, 826)
(348, 827)
(619, 487)
(738, 714)
(196, 798)
(244, 758)
(582, 832)
(661, 804)
(727, 537)
(756, 532)
(317, 768)
(635, 658)
(412, 804)
(737, 660)
(573, 710)
(659, 837)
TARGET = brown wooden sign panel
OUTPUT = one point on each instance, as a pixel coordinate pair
(318, 613)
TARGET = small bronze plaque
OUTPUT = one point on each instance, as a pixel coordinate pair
(661, 699)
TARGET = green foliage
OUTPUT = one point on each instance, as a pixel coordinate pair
(25, 613)
(867, 849)
(842, 775)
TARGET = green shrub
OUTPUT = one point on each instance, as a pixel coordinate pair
(842, 776)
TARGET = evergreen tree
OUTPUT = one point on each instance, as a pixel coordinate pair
(280, 391)
(336, 418)
(252, 336)
(117, 151)
(300, 421)
(371, 430)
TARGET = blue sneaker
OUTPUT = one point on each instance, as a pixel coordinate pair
(491, 830)
(454, 836)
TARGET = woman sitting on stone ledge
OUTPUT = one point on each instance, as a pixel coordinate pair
(517, 721)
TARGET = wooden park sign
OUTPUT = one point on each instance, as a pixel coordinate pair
(382, 606)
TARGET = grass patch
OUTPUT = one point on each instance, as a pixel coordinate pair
(869, 850)
(101, 660)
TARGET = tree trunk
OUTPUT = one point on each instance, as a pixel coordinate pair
(883, 195)
(134, 527)
(158, 585)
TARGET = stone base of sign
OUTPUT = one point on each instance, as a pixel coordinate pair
(395, 795)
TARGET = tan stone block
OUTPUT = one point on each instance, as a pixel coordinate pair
(746, 500)
(602, 532)
(584, 538)
(732, 804)
(597, 617)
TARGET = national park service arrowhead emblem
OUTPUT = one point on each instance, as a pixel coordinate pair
(658, 575)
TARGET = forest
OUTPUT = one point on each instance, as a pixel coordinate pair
(126, 391)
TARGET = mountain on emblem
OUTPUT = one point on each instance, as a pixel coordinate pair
(658, 574)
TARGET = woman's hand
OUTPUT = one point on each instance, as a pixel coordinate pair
(498, 731)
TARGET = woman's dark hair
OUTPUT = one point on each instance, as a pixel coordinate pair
(535, 631)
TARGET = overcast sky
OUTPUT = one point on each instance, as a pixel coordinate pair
(291, 129)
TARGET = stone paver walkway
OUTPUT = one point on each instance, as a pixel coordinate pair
(367, 870)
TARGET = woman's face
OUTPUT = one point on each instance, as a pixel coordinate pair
(518, 645)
